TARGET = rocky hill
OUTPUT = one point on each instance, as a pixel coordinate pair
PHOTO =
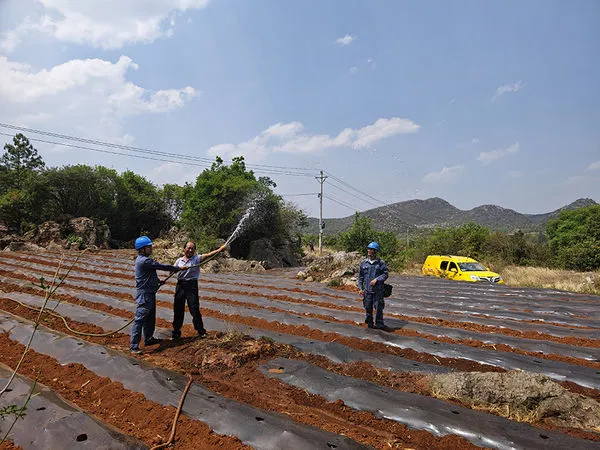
(415, 215)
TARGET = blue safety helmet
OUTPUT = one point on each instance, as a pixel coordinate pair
(374, 245)
(142, 241)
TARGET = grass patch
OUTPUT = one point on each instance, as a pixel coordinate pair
(564, 280)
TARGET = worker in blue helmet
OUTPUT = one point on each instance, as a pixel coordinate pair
(372, 272)
(146, 285)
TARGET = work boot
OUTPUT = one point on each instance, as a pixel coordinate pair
(175, 336)
(135, 350)
(202, 334)
(152, 341)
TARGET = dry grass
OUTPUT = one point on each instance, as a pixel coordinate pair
(564, 280)
(541, 277)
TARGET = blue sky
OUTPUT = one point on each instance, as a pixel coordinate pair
(474, 102)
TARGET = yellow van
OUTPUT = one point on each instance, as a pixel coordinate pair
(459, 268)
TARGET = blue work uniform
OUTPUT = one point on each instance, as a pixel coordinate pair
(373, 295)
(146, 285)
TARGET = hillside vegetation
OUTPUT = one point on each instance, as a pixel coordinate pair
(207, 210)
(417, 216)
(571, 242)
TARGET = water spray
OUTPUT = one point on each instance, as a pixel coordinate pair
(236, 233)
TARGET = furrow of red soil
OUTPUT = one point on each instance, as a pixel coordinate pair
(108, 400)
(568, 340)
(538, 321)
(83, 268)
(134, 415)
(440, 322)
(171, 357)
(413, 333)
(294, 329)
(418, 383)
(304, 331)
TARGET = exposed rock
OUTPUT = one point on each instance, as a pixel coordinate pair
(264, 250)
(74, 234)
(53, 246)
(335, 269)
(519, 395)
(45, 233)
(301, 275)
(219, 265)
(21, 246)
(91, 232)
(3, 230)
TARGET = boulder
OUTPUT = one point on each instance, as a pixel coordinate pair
(519, 395)
(21, 246)
(45, 233)
(219, 265)
(53, 246)
(91, 232)
(264, 250)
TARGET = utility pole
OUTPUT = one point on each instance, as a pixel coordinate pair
(321, 179)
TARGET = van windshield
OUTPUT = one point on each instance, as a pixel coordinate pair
(471, 267)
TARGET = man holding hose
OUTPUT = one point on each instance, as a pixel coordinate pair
(187, 289)
(146, 285)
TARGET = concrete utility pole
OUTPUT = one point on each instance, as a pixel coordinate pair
(321, 179)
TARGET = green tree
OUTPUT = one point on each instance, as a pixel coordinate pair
(172, 197)
(21, 187)
(575, 238)
(361, 233)
(18, 162)
(214, 205)
(139, 208)
(81, 191)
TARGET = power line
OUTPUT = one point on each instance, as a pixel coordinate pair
(146, 157)
(339, 202)
(279, 170)
(353, 195)
(410, 213)
(298, 195)
(339, 180)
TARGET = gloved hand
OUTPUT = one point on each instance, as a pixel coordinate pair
(222, 247)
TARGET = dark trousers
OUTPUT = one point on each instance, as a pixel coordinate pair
(186, 291)
(144, 320)
(374, 300)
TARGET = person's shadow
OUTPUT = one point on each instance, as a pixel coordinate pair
(392, 325)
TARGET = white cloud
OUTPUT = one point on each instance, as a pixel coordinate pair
(514, 174)
(576, 180)
(489, 157)
(291, 138)
(346, 40)
(474, 141)
(90, 97)
(168, 172)
(593, 166)
(447, 174)
(507, 88)
(352, 70)
(107, 24)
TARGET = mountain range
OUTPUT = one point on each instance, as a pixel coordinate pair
(416, 215)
